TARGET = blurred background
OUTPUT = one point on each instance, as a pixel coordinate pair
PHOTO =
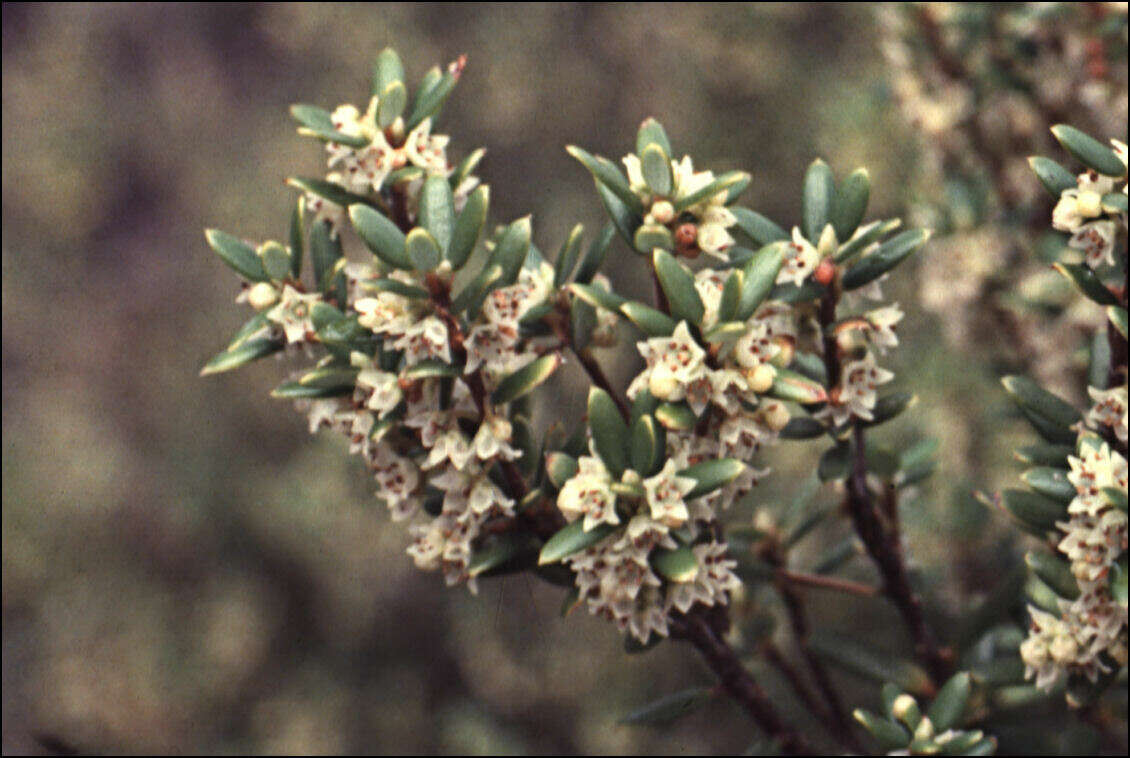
(185, 569)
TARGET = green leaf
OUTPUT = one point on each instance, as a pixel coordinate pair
(329, 376)
(466, 168)
(1054, 572)
(678, 285)
(678, 565)
(396, 287)
(1114, 202)
(325, 252)
(731, 296)
(380, 235)
(712, 475)
(650, 236)
(1089, 151)
(568, 255)
(1117, 318)
(391, 104)
(609, 431)
(849, 203)
(430, 99)
(297, 236)
(676, 416)
(789, 385)
(759, 276)
(802, 428)
(240, 256)
(645, 451)
(573, 539)
(511, 251)
(275, 260)
(890, 406)
(624, 219)
(608, 175)
(1098, 363)
(1029, 395)
(334, 193)
(233, 358)
(597, 296)
(888, 734)
(949, 705)
(318, 122)
(655, 165)
(1118, 585)
(1044, 454)
(1087, 282)
(437, 211)
(816, 202)
(651, 131)
(1050, 482)
(1116, 497)
(432, 368)
(468, 227)
(723, 183)
(725, 334)
(888, 255)
(670, 707)
(1033, 510)
(253, 327)
(1053, 176)
(594, 256)
(757, 227)
(526, 379)
(387, 68)
(652, 322)
(863, 237)
(422, 248)
(296, 391)
(560, 468)
(505, 554)
(835, 463)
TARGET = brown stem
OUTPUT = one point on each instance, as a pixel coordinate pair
(737, 682)
(777, 660)
(596, 373)
(883, 545)
(829, 583)
(884, 550)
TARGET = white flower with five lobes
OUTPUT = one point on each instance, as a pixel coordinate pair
(383, 388)
(1109, 410)
(673, 363)
(712, 235)
(882, 322)
(1096, 241)
(292, 314)
(665, 493)
(856, 394)
(1081, 203)
(801, 260)
(1095, 469)
(588, 494)
(424, 340)
(492, 440)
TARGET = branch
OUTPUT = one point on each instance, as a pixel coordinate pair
(738, 683)
(829, 583)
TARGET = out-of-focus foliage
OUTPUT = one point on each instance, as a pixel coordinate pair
(185, 570)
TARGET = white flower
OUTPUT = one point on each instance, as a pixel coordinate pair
(425, 340)
(1109, 410)
(1096, 240)
(486, 499)
(1096, 468)
(397, 476)
(673, 363)
(856, 393)
(712, 235)
(492, 440)
(665, 492)
(380, 390)
(882, 322)
(801, 260)
(688, 181)
(387, 312)
(292, 314)
(712, 583)
(588, 493)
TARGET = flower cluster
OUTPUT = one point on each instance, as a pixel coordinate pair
(1081, 213)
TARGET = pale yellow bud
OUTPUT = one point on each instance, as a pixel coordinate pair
(662, 383)
(1089, 204)
(663, 212)
(760, 377)
(828, 242)
(262, 296)
(925, 729)
(775, 416)
(904, 704)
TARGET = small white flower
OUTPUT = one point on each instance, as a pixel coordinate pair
(856, 394)
(883, 321)
(588, 494)
(673, 363)
(425, 340)
(1096, 240)
(292, 314)
(801, 260)
(1109, 410)
(665, 493)
(380, 390)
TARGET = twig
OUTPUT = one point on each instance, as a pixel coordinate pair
(829, 583)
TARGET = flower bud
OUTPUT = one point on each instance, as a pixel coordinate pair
(663, 212)
(262, 296)
(828, 242)
(686, 235)
(825, 271)
(760, 378)
(662, 384)
(1090, 204)
(775, 416)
